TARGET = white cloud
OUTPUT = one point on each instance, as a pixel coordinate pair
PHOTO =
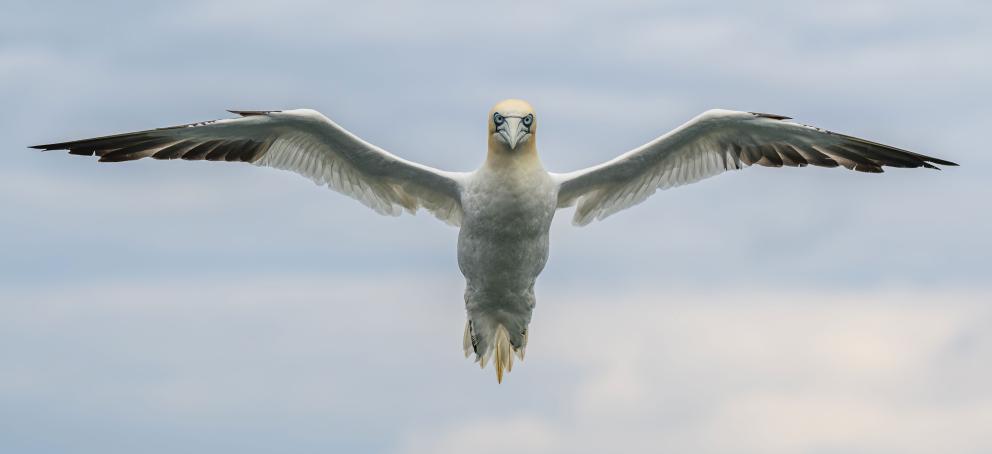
(751, 370)
(518, 434)
(764, 372)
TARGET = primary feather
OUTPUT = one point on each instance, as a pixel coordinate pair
(712, 143)
(301, 141)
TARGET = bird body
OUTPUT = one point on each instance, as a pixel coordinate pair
(507, 208)
(504, 209)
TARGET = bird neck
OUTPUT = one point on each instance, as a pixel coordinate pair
(523, 157)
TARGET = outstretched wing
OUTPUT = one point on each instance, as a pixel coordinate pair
(303, 141)
(714, 142)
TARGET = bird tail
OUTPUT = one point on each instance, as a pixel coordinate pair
(497, 345)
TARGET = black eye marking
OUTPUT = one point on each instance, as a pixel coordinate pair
(498, 119)
(528, 120)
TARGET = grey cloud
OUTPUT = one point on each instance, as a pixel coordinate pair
(307, 362)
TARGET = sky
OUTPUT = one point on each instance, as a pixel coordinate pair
(206, 307)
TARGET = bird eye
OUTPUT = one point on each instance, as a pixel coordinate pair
(498, 119)
(528, 120)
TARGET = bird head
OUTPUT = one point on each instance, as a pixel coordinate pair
(512, 125)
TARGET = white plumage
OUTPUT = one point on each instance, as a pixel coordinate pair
(504, 209)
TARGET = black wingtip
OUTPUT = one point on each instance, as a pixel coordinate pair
(772, 116)
(251, 113)
(48, 147)
(929, 162)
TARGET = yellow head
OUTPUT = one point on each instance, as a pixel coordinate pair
(512, 125)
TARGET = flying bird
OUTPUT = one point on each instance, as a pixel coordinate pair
(505, 207)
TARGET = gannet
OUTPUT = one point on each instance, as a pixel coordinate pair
(505, 207)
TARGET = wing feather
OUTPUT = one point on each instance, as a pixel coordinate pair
(302, 141)
(712, 143)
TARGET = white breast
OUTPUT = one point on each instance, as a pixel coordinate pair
(502, 247)
(504, 235)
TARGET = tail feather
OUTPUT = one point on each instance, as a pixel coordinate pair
(497, 345)
(504, 358)
(467, 343)
(523, 347)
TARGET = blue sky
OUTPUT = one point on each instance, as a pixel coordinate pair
(197, 307)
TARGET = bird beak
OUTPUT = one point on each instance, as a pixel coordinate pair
(512, 131)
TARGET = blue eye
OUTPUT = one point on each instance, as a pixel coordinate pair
(528, 120)
(498, 119)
